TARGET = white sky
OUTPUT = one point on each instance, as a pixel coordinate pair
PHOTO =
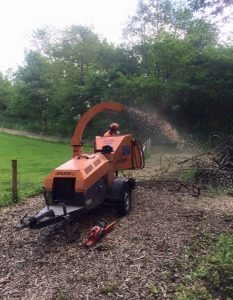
(18, 18)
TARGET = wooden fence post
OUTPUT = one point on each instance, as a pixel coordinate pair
(14, 181)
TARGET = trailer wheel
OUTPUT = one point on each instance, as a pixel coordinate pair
(124, 204)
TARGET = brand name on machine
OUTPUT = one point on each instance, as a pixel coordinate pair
(64, 173)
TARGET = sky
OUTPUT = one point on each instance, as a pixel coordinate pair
(18, 19)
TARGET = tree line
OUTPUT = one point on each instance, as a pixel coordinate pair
(171, 61)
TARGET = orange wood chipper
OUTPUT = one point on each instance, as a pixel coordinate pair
(88, 180)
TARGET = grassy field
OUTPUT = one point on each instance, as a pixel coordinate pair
(35, 158)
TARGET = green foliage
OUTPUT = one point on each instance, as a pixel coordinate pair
(109, 289)
(213, 275)
(35, 160)
(214, 7)
(153, 289)
(218, 190)
(187, 175)
(220, 267)
(194, 292)
(154, 17)
(172, 63)
(63, 77)
(6, 96)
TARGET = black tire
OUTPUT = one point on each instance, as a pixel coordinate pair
(124, 204)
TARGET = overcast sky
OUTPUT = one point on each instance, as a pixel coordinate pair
(18, 18)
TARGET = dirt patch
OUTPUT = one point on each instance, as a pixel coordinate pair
(143, 258)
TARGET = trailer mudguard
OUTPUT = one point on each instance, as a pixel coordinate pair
(118, 187)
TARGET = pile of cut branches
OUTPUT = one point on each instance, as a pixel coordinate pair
(215, 167)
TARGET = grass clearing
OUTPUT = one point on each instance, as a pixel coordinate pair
(36, 158)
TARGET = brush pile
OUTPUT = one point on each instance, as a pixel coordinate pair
(215, 167)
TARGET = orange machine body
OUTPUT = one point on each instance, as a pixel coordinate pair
(86, 179)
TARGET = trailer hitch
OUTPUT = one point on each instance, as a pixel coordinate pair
(32, 222)
(23, 222)
(53, 214)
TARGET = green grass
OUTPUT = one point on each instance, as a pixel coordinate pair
(212, 278)
(187, 175)
(109, 289)
(214, 191)
(35, 158)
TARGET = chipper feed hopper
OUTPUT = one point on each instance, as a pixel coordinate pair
(87, 180)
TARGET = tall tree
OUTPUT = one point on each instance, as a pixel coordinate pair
(215, 7)
(156, 16)
(6, 96)
(33, 83)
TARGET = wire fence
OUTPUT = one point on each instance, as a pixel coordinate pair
(58, 138)
(19, 180)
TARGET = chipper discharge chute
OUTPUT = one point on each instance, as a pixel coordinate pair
(87, 180)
